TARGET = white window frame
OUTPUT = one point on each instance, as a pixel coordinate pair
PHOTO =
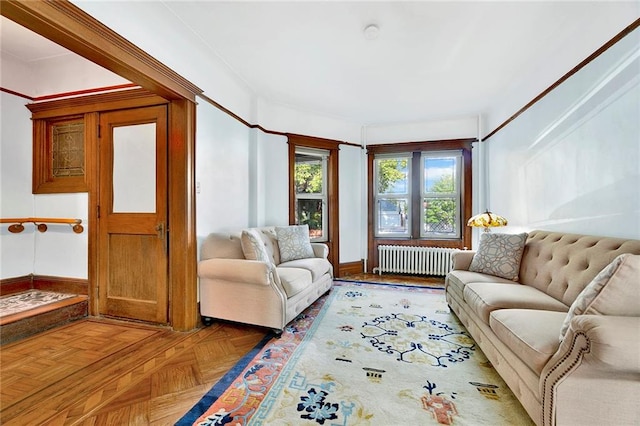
(379, 197)
(323, 156)
(457, 194)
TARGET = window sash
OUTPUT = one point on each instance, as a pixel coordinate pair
(322, 156)
(396, 221)
(447, 227)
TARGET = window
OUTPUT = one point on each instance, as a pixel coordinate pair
(419, 194)
(311, 191)
(440, 194)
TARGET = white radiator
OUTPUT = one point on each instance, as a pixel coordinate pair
(414, 260)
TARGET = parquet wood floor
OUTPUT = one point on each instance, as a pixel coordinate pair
(105, 372)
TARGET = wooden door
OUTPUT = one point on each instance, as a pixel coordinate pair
(132, 218)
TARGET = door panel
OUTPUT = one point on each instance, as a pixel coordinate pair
(132, 258)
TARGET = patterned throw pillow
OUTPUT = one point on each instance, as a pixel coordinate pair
(253, 246)
(614, 291)
(499, 255)
(294, 242)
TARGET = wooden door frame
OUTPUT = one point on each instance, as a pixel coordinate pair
(71, 27)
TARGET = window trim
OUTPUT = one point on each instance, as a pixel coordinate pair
(466, 195)
(323, 196)
(333, 208)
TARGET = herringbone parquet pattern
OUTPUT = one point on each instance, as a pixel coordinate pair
(103, 372)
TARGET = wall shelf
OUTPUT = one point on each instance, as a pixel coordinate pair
(41, 223)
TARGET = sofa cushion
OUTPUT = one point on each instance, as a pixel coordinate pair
(294, 280)
(294, 242)
(499, 255)
(457, 279)
(485, 298)
(614, 291)
(531, 334)
(317, 266)
(253, 246)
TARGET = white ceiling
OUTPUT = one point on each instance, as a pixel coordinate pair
(26, 45)
(431, 60)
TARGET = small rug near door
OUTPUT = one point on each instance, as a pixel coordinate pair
(30, 299)
(366, 354)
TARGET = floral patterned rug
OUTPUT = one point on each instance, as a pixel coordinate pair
(30, 299)
(366, 354)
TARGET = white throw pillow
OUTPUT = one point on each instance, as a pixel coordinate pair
(614, 291)
(294, 242)
(253, 246)
(499, 255)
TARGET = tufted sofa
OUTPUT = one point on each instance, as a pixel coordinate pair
(265, 293)
(591, 376)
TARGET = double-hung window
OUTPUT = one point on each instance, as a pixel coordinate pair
(311, 191)
(393, 195)
(421, 191)
(440, 194)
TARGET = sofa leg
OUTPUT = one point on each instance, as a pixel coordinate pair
(207, 321)
(277, 333)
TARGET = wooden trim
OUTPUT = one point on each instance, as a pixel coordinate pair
(12, 92)
(92, 152)
(333, 195)
(85, 92)
(259, 127)
(350, 268)
(69, 26)
(622, 34)
(16, 284)
(61, 284)
(183, 291)
(466, 193)
(123, 99)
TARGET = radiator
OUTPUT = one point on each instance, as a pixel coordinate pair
(414, 260)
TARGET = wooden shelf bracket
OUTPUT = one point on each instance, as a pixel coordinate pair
(41, 223)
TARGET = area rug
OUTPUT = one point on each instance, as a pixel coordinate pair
(366, 354)
(30, 299)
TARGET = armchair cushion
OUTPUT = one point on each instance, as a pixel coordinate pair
(614, 291)
(253, 246)
(294, 242)
(499, 255)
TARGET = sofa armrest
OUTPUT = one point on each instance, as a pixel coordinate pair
(598, 352)
(462, 259)
(320, 250)
(237, 270)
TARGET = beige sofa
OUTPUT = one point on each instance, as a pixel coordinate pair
(592, 377)
(268, 294)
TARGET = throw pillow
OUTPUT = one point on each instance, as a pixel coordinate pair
(499, 255)
(614, 291)
(253, 246)
(294, 242)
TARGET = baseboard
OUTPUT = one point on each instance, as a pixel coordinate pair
(16, 285)
(350, 268)
(61, 284)
(44, 282)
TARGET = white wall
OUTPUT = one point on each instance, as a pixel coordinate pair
(572, 162)
(59, 251)
(222, 171)
(452, 128)
(272, 176)
(353, 196)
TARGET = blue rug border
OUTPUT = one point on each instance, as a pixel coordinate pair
(222, 385)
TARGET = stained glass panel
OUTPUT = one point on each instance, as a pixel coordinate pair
(67, 143)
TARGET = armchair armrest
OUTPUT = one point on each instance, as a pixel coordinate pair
(462, 259)
(320, 250)
(598, 352)
(236, 270)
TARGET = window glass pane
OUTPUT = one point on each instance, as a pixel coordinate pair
(308, 174)
(393, 216)
(67, 140)
(134, 168)
(440, 216)
(393, 175)
(309, 212)
(440, 174)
